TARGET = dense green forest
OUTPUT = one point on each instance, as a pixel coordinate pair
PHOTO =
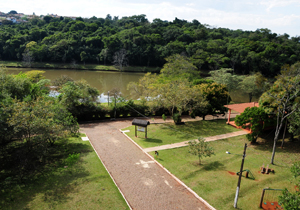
(144, 43)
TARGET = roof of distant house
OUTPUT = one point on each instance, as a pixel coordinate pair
(240, 108)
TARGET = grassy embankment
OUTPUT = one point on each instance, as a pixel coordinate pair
(215, 180)
(82, 185)
(95, 67)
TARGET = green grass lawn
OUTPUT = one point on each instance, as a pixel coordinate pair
(83, 185)
(169, 133)
(213, 180)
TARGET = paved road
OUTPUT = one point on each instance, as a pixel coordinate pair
(144, 183)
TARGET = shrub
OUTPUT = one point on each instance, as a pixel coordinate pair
(176, 117)
(255, 118)
(72, 158)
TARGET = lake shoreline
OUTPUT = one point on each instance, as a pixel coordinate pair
(103, 81)
(78, 67)
(106, 80)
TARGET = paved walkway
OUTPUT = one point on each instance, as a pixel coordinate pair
(144, 183)
(185, 143)
(187, 118)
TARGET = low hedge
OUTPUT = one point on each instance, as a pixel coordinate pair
(123, 109)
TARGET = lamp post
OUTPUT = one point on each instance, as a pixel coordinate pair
(108, 97)
(115, 106)
(240, 177)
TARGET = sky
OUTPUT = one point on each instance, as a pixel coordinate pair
(280, 16)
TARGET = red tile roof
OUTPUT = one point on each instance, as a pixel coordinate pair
(241, 107)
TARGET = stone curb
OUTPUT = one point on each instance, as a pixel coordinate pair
(110, 175)
(178, 180)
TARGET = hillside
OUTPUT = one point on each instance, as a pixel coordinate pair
(97, 40)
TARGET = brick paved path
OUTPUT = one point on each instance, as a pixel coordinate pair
(144, 184)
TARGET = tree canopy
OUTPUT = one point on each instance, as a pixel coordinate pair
(179, 89)
(94, 40)
(291, 200)
(255, 118)
(282, 98)
(30, 123)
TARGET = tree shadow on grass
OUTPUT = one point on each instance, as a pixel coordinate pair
(59, 187)
(207, 127)
(180, 131)
(216, 165)
(152, 140)
(192, 130)
(55, 183)
(266, 140)
(213, 166)
(159, 159)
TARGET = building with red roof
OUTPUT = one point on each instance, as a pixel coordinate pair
(240, 108)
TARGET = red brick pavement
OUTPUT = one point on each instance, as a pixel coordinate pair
(144, 183)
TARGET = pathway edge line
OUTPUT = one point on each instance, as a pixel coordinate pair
(178, 180)
(110, 175)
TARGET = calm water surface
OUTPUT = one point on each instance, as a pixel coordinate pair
(102, 80)
(105, 81)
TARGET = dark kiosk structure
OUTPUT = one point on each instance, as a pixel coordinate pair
(142, 126)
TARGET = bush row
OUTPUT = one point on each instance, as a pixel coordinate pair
(122, 110)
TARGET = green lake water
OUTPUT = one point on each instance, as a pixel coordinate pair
(105, 81)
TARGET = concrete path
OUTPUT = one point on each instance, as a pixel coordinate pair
(185, 143)
(187, 118)
(143, 182)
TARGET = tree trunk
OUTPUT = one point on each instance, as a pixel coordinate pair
(278, 128)
(250, 97)
(292, 137)
(274, 149)
(284, 134)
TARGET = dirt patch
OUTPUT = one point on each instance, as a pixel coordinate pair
(232, 173)
(271, 206)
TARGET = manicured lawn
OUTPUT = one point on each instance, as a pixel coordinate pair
(168, 133)
(213, 180)
(84, 185)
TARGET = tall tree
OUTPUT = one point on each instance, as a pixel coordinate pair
(103, 55)
(12, 12)
(25, 143)
(252, 86)
(177, 96)
(120, 58)
(142, 87)
(179, 66)
(83, 56)
(216, 95)
(283, 98)
(77, 95)
(28, 58)
(226, 77)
